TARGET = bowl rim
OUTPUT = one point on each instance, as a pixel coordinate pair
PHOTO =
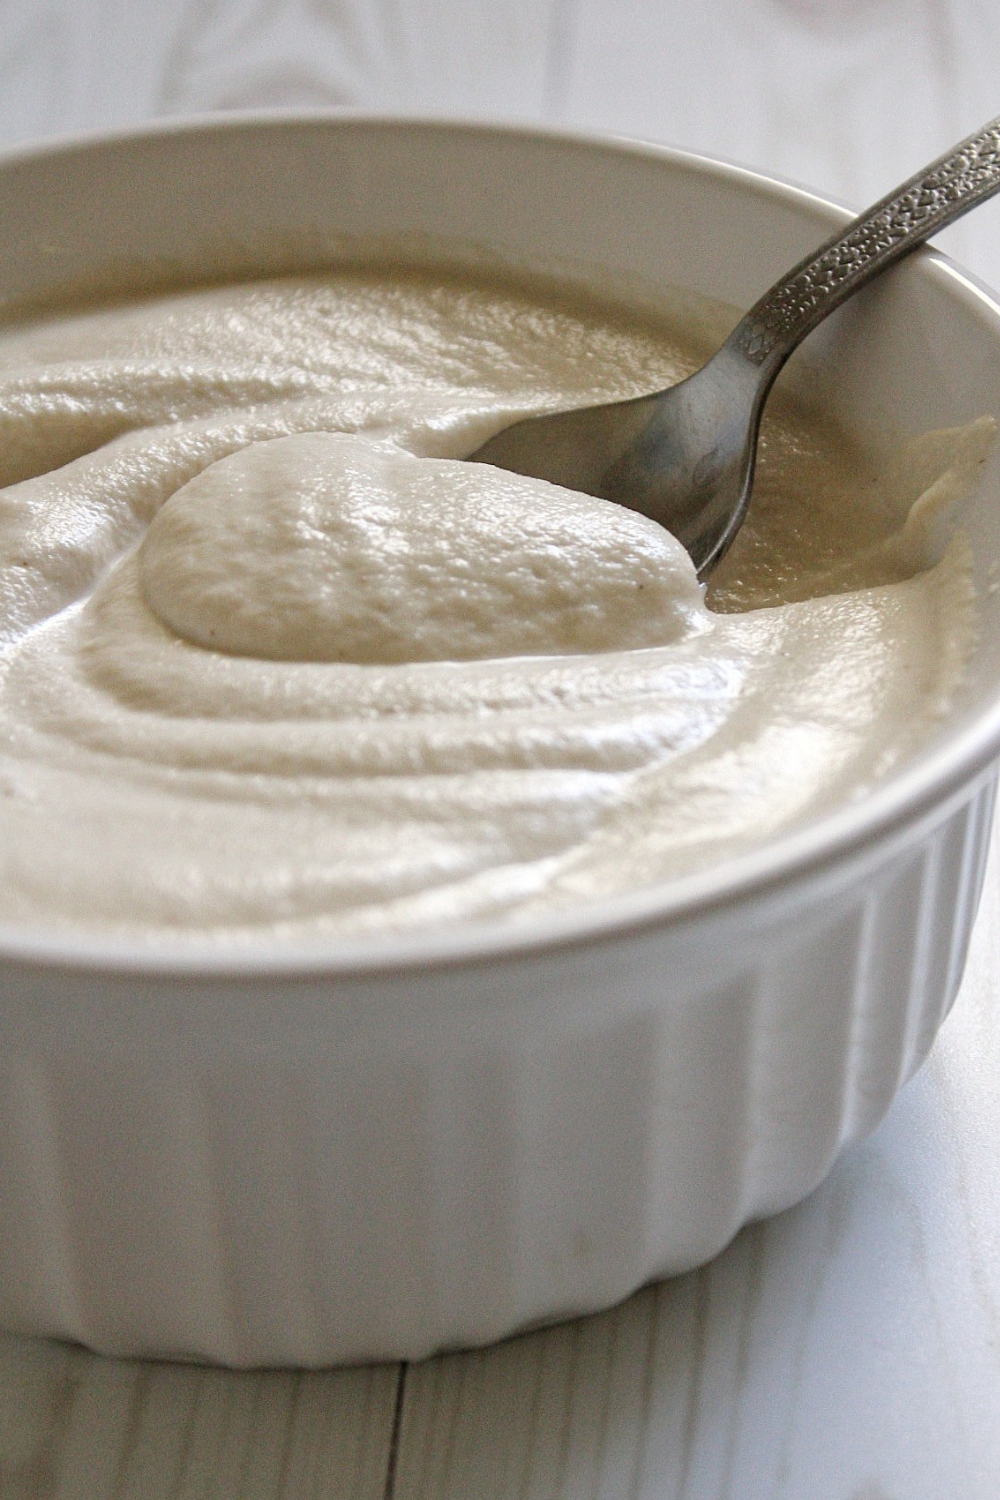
(945, 773)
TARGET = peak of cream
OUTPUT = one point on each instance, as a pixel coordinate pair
(274, 663)
(329, 547)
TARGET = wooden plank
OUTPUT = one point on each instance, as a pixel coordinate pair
(74, 1426)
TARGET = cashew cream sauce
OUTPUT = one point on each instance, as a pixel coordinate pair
(274, 661)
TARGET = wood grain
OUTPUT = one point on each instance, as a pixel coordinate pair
(74, 1426)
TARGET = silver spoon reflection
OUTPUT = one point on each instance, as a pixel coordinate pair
(685, 456)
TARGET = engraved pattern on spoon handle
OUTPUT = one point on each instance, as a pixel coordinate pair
(907, 216)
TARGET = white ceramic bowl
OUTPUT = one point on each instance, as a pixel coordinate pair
(376, 1151)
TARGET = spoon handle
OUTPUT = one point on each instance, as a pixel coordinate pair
(907, 216)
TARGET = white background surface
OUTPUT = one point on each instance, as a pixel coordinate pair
(849, 1349)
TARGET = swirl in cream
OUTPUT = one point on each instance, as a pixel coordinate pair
(275, 662)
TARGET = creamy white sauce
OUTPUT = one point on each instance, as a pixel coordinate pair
(273, 661)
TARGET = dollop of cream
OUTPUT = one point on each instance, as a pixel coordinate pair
(326, 546)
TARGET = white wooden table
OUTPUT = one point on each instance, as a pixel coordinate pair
(847, 1350)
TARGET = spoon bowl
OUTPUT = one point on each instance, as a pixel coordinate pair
(685, 456)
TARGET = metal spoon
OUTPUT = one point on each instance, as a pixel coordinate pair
(685, 456)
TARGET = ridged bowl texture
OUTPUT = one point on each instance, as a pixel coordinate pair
(321, 1155)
